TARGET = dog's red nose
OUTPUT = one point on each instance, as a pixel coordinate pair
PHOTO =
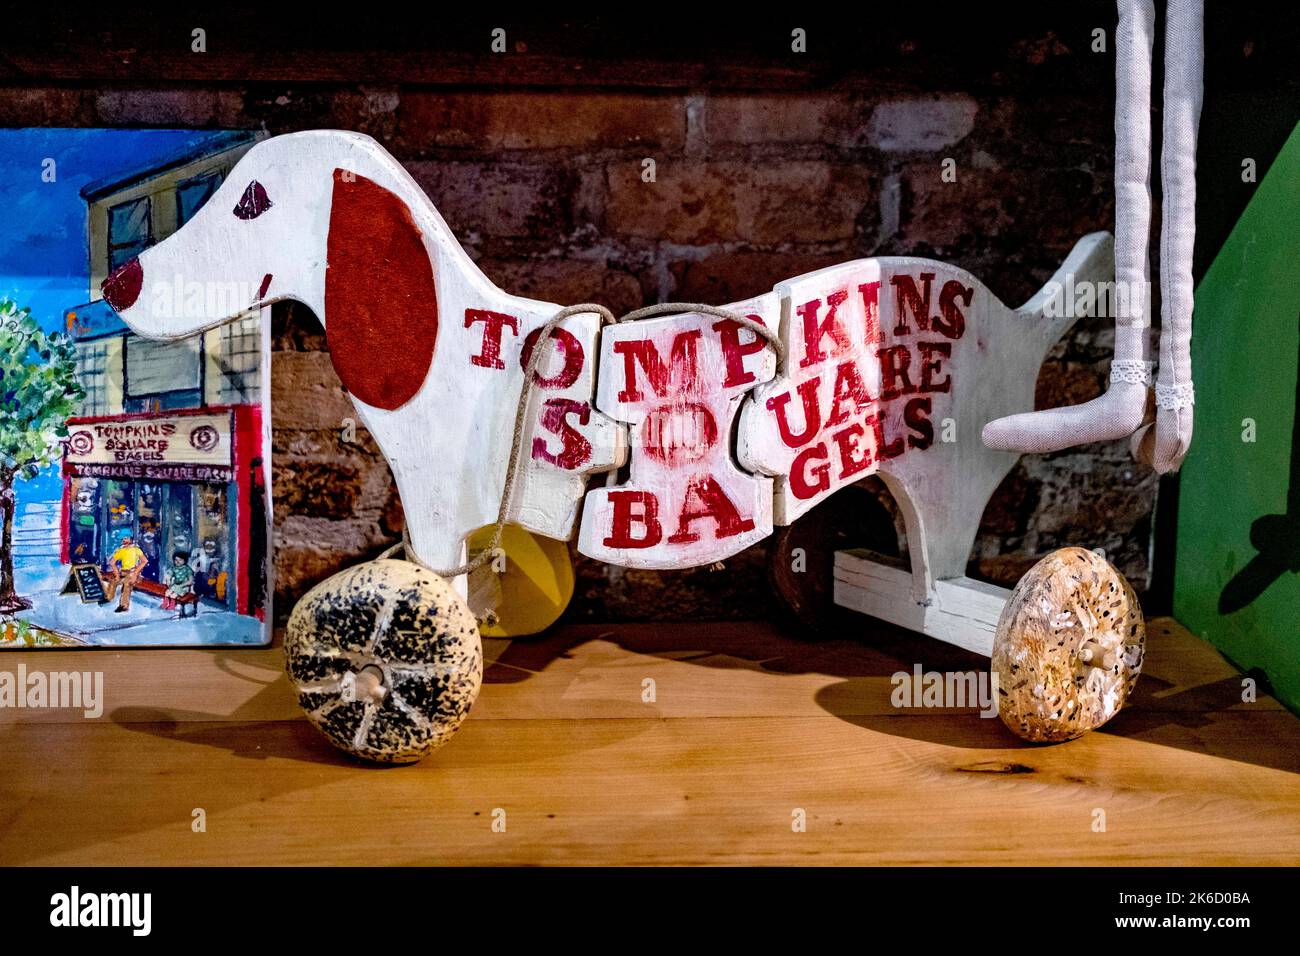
(122, 287)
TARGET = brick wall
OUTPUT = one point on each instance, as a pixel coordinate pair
(761, 174)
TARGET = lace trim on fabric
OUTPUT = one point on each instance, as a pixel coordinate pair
(1175, 396)
(1131, 371)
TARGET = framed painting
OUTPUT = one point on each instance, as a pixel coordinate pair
(134, 473)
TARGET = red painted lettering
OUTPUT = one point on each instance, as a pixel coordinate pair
(493, 323)
(908, 298)
(871, 310)
(853, 458)
(812, 415)
(931, 366)
(814, 331)
(706, 499)
(569, 347)
(576, 450)
(734, 351)
(620, 531)
(850, 393)
(810, 472)
(681, 372)
(894, 362)
(679, 434)
(916, 413)
(950, 321)
(884, 449)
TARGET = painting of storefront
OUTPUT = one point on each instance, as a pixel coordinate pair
(160, 498)
(184, 486)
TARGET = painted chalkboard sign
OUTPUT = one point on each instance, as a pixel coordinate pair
(83, 579)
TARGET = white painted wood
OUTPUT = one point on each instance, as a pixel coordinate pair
(960, 611)
(551, 489)
(449, 443)
(992, 361)
(678, 381)
(983, 360)
(801, 397)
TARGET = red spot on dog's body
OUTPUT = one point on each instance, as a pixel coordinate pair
(381, 306)
(122, 287)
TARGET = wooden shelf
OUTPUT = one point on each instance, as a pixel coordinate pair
(746, 726)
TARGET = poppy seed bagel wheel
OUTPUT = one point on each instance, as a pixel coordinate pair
(386, 660)
(1068, 647)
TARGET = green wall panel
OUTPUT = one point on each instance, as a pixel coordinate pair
(1237, 573)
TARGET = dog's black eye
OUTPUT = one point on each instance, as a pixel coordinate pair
(254, 202)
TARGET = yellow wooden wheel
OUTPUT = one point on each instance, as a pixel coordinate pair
(535, 586)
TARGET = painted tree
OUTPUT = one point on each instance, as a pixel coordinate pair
(38, 391)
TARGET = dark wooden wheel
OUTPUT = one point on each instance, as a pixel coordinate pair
(801, 556)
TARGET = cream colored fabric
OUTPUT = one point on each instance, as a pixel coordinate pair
(1165, 445)
(1120, 412)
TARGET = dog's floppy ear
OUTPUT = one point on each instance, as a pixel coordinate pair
(381, 305)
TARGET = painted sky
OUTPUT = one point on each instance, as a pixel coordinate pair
(44, 259)
(44, 255)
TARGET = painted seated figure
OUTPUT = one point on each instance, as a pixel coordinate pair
(179, 579)
(124, 569)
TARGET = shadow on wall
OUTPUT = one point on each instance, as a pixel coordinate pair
(1275, 537)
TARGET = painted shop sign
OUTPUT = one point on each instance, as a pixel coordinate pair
(156, 472)
(161, 443)
(173, 448)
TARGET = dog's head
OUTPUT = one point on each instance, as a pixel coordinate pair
(327, 218)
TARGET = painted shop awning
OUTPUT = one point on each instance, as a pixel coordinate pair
(94, 320)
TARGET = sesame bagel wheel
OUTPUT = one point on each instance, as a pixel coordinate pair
(1068, 647)
(386, 660)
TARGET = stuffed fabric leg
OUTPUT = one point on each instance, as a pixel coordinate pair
(1164, 445)
(1121, 410)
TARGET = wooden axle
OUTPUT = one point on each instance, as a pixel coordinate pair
(960, 611)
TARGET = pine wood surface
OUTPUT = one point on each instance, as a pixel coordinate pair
(747, 726)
